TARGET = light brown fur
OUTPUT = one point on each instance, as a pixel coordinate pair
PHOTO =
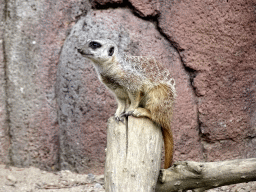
(139, 81)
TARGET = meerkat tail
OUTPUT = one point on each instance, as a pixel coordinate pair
(168, 145)
(159, 103)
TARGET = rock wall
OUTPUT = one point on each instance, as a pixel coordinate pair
(216, 41)
(4, 136)
(208, 46)
(33, 33)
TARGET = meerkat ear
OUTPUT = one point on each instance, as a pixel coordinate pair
(111, 51)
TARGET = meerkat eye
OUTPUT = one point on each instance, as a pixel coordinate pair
(111, 51)
(94, 45)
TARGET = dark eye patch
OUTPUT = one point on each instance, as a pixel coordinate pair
(94, 45)
(111, 51)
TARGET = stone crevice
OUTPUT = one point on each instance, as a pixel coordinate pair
(7, 107)
(191, 73)
(154, 19)
(107, 5)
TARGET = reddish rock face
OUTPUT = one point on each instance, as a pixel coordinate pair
(145, 8)
(94, 104)
(217, 40)
(208, 46)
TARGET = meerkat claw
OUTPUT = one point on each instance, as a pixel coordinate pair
(117, 118)
(122, 120)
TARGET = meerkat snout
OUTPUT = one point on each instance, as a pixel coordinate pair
(99, 51)
(80, 51)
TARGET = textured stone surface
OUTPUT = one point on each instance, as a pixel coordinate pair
(4, 137)
(33, 39)
(213, 63)
(145, 8)
(217, 40)
(84, 103)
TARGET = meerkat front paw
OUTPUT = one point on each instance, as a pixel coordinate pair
(138, 112)
(134, 113)
(119, 118)
(126, 114)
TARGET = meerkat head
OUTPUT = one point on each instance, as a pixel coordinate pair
(99, 51)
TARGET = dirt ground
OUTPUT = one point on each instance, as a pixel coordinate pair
(13, 179)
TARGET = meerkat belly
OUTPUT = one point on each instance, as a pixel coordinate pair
(121, 93)
(114, 86)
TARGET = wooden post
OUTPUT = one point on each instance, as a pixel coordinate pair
(133, 155)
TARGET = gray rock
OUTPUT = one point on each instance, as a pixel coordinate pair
(98, 186)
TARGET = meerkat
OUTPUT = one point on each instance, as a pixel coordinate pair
(142, 87)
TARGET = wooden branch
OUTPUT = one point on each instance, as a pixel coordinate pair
(206, 175)
(133, 155)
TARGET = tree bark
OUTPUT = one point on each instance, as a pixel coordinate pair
(201, 176)
(133, 155)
